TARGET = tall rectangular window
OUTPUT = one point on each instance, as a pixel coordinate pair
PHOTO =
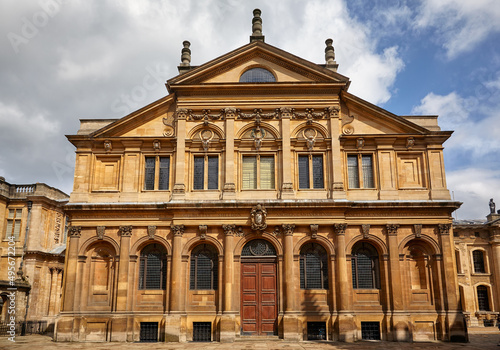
(311, 171)
(156, 173)
(258, 173)
(206, 173)
(360, 171)
(14, 223)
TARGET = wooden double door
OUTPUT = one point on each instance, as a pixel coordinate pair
(259, 297)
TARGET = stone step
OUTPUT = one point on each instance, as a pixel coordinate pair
(258, 338)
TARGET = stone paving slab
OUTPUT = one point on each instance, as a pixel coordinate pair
(39, 342)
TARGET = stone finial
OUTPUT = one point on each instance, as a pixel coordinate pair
(186, 54)
(330, 56)
(256, 27)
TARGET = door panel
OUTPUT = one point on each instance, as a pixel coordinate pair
(259, 307)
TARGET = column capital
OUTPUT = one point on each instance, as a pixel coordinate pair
(126, 231)
(230, 230)
(75, 231)
(178, 230)
(444, 229)
(340, 229)
(392, 229)
(287, 229)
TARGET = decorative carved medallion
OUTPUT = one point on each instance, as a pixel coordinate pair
(258, 217)
(156, 145)
(126, 231)
(258, 134)
(74, 231)
(206, 135)
(314, 230)
(108, 146)
(392, 229)
(100, 231)
(410, 142)
(360, 143)
(178, 230)
(340, 228)
(365, 229)
(151, 231)
(203, 231)
(310, 136)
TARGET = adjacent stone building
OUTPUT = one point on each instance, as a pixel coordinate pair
(32, 248)
(260, 198)
(477, 250)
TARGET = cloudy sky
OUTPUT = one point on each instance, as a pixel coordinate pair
(63, 60)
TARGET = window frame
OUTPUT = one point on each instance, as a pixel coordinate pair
(324, 266)
(206, 172)
(194, 271)
(157, 170)
(311, 172)
(487, 301)
(258, 171)
(255, 68)
(483, 262)
(142, 280)
(14, 220)
(375, 266)
(360, 171)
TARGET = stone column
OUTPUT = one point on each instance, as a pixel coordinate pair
(173, 322)
(53, 290)
(347, 328)
(74, 233)
(495, 248)
(58, 290)
(338, 187)
(123, 268)
(291, 327)
(454, 317)
(228, 322)
(229, 181)
(287, 161)
(400, 321)
(179, 189)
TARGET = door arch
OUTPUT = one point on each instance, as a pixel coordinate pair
(259, 288)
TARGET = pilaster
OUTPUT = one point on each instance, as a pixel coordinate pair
(123, 268)
(74, 233)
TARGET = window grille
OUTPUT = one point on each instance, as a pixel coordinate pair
(311, 165)
(313, 267)
(163, 182)
(149, 332)
(149, 175)
(483, 301)
(478, 258)
(152, 267)
(258, 247)
(353, 172)
(316, 330)
(365, 267)
(199, 173)
(206, 173)
(257, 75)
(213, 172)
(366, 161)
(204, 268)
(303, 172)
(202, 331)
(370, 330)
(360, 171)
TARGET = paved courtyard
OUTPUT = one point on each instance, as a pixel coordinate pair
(39, 342)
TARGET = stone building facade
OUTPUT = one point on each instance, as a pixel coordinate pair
(32, 247)
(260, 198)
(477, 250)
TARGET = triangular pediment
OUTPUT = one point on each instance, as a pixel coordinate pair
(286, 67)
(368, 119)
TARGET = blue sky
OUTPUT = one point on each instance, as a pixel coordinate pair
(63, 60)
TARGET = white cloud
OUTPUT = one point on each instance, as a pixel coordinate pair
(451, 109)
(474, 187)
(459, 25)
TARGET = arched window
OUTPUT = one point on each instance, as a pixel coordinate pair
(365, 266)
(257, 75)
(258, 247)
(153, 267)
(483, 302)
(478, 259)
(204, 268)
(313, 267)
